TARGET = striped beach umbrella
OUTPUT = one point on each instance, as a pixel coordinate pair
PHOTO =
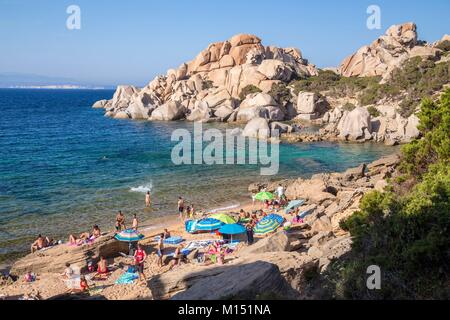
(275, 217)
(263, 196)
(129, 235)
(266, 226)
(208, 224)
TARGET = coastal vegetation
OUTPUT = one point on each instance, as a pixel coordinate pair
(405, 229)
(248, 90)
(416, 78)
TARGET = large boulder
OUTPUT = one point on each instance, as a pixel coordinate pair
(385, 53)
(257, 128)
(201, 112)
(100, 104)
(307, 102)
(277, 242)
(169, 111)
(355, 125)
(53, 260)
(275, 70)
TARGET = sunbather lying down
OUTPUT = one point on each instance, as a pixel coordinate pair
(85, 237)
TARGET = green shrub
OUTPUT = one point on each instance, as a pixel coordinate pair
(281, 93)
(444, 46)
(207, 84)
(405, 234)
(248, 90)
(373, 111)
(349, 106)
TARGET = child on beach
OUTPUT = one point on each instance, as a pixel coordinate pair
(68, 272)
(135, 222)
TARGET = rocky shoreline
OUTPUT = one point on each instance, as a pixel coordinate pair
(277, 264)
(241, 80)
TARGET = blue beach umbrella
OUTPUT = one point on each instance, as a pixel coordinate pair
(208, 224)
(266, 226)
(275, 217)
(232, 229)
(294, 204)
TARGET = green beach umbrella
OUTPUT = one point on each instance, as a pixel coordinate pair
(263, 196)
(223, 218)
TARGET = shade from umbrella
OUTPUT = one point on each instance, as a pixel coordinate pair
(208, 224)
(232, 229)
(223, 218)
(263, 196)
(129, 235)
(275, 217)
(266, 226)
(294, 204)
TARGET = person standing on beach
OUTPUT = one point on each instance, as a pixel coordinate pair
(160, 250)
(120, 222)
(148, 200)
(280, 192)
(180, 207)
(249, 226)
(139, 258)
(135, 222)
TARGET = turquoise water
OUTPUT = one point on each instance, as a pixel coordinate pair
(65, 167)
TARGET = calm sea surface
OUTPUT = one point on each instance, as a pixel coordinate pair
(65, 167)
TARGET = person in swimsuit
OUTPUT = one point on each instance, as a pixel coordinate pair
(139, 258)
(176, 258)
(148, 200)
(160, 250)
(68, 272)
(166, 234)
(120, 222)
(135, 222)
(180, 207)
(38, 244)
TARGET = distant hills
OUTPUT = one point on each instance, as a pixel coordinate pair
(24, 80)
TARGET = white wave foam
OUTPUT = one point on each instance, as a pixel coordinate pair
(143, 189)
(234, 206)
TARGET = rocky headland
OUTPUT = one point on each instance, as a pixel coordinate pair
(263, 87)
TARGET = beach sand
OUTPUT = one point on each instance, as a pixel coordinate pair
(50, 285)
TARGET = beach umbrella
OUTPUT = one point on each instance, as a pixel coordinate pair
(130, 236)
(208, 224)
(266, 226)
(263, 196)
(294, 204)
(232, 229)
(275, 217)
(223, 218)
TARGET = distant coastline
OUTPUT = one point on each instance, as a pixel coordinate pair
(58, 87)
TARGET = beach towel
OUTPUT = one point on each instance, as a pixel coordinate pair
(127, 278)
(173, 240)
(198, 244)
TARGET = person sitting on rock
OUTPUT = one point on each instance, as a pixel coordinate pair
(38, 244)
(68, 272)
(102, 269)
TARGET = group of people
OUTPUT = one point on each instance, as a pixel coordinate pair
(120, 222)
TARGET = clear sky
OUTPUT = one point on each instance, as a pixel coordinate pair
(132, 41)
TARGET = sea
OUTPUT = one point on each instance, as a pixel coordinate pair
(65, 167)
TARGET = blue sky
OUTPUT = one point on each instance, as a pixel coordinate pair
(132, 41)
